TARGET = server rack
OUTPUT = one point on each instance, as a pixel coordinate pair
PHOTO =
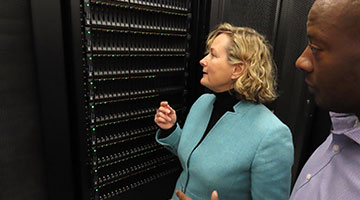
(134, 54)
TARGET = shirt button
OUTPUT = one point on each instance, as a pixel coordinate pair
(336, 148)
(308, 176)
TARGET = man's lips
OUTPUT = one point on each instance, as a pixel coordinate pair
(309, 83)
(311, 87)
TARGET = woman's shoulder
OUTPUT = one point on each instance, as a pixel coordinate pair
(261, 115)
(205, 99)
(206, 96)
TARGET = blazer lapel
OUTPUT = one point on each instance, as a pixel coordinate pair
(197, 123)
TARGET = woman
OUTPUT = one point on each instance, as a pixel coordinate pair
(230, 141)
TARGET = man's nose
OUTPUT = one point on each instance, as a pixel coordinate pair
(304, 61)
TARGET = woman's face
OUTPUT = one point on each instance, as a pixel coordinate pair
(217, 71)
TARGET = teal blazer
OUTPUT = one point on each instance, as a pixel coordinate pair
(248, 153)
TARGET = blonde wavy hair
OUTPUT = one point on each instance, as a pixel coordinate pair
(257, 83)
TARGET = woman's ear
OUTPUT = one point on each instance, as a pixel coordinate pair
(238, 70)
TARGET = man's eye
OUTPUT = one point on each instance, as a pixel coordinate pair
(313, 49)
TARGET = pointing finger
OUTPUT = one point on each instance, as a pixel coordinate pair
(164, 103)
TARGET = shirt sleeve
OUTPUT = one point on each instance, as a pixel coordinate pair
(170, 142)
(271, 167)
(163, 133)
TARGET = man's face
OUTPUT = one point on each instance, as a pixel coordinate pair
(331, 60)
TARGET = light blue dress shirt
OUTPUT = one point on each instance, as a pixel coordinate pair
(333, 171)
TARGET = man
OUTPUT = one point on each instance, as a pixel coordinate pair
(331, 62)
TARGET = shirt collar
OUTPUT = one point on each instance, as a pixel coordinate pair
(225, 100)
(347, 124)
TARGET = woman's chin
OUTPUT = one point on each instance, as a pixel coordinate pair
(205, 85)
(202, 81)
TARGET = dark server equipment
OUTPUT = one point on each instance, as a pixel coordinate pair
(22, 168)
(262, 15)
(135, 54)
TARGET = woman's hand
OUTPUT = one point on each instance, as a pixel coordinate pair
(165, 116)
(182, 196)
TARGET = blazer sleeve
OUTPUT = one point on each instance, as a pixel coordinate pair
(271, 167)
(170, 142)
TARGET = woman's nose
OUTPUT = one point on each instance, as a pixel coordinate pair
(203, 62)
(304, 61)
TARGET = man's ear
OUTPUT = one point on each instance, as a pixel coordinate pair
(238, 70)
